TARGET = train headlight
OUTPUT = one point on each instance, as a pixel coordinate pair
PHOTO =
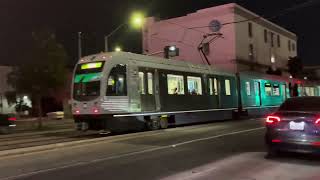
(95, 110)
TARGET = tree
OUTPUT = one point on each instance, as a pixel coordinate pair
(43, 71)
(295, 66)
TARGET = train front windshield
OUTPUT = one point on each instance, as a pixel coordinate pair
(87, 81)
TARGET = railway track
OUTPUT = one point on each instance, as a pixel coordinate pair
(23, 140)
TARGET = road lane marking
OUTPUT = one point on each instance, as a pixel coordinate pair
(128, 154)
(217, 136)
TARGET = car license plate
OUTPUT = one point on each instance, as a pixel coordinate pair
(296, 126)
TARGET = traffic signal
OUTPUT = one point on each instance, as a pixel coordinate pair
(171, 51)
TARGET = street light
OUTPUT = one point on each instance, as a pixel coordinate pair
(136, 21)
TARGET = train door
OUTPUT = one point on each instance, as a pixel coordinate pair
(257, 89)
(283, 92)
(147, 89)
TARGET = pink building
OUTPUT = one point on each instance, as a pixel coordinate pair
(253, 43)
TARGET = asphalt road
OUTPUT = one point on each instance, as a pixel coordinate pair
(224, 151)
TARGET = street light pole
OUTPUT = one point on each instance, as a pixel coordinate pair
(79, 46)
(106, 47)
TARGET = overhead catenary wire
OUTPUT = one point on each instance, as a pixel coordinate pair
(285, 11)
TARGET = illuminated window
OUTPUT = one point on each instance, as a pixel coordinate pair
(268, 89)
(227, 87)
(150, 83)
(248, 88)
(309, 91)
(213, 86)
(273, 59)
(141, 83)
(175, 84)
(194, 85)
(276, 90)
(312, 91)
(117, 83)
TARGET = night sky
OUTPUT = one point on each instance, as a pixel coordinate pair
(95, 18)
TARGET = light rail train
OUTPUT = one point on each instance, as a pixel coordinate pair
(122, 91)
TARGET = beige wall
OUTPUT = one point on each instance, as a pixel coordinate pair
(262, 50)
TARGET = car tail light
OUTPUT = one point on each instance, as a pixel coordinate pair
(317, 122)
(276, 141)
(316, 143)
(77, 111)
(12, 119)
(272, 119)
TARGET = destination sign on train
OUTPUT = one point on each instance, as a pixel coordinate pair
(91, 65)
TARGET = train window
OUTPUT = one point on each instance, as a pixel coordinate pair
(175, 84)
(194, 85)
(276, 90)
(268, 89)
(213, 86)
(141, 83)
(309, 91)
(248, 88)
(227, 87)
(117, 81)
(150, 83)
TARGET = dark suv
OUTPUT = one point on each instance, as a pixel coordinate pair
(7, 122)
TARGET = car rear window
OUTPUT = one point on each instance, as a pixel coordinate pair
(301, 104)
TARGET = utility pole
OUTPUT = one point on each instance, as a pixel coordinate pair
(1, 103)
(79, 45)
(106, 48)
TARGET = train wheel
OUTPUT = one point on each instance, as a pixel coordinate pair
(153, 124)
(164, 122)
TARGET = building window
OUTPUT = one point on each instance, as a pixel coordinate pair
(293, 47)
(279, 41)
(276, 90)
(150, 83)
(251, 55)
(141, 83)
(273, 59)
(265, 36)
(248, 88)
(268, 89)
(272, 38)
(175, 84)
(227, 87)
(194, 85)
(250, 29)
(289, 45)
